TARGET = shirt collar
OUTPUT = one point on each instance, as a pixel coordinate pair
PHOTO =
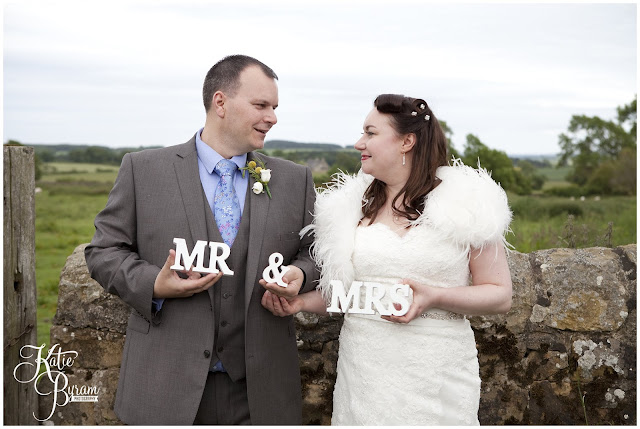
(210, 158)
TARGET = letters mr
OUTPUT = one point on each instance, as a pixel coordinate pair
(197, 256)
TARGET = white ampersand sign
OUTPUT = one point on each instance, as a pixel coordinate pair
(273, 273)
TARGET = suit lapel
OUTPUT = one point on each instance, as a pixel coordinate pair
(188, 177)
(195, 202)
(258, 226)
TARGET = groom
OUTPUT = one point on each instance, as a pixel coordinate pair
(202, 349)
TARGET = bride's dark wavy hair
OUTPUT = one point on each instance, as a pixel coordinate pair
(429, 153)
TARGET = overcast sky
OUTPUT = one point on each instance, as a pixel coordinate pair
(130, 73)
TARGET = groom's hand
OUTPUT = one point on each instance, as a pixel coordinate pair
(293, 277)
(169, 285)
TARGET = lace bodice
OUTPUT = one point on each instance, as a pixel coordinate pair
(381, 254)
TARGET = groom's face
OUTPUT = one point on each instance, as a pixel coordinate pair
(250, 113)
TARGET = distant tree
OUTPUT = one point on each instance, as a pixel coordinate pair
(121, 153)
(346, 161)
(529, 170)
(293, 155)
(46, 155)
(96, 155)
(624, 179)
(598, 149)
(628, 116)
(448, 133)
(278, 153)
(536, 163)
(498, 163)
(615, 176)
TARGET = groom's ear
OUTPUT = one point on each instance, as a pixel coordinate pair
(218, 103)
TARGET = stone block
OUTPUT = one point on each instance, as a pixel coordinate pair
(96, 349)
(586, 289)
(82, 302)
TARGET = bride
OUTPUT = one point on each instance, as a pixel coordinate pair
(409, 218)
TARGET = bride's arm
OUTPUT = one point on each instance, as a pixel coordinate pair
(490, 293)
(311, 302)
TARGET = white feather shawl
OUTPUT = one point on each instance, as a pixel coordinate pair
(468, 208)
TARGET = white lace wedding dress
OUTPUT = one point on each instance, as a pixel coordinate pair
(425, 372)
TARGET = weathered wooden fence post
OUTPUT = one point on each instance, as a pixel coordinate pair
(20, 400)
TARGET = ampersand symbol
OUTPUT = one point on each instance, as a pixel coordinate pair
(275, 260)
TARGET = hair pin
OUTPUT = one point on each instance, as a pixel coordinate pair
(414, 113)
(427, 117)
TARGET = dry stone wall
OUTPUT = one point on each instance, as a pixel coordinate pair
(564, 354)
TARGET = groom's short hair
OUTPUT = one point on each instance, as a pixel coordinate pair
(224, 76)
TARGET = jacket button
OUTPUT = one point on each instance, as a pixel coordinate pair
(207, 353)
(220, 349)
(223, 323)
(225, 295)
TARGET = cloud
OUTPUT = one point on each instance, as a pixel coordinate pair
(127, 73)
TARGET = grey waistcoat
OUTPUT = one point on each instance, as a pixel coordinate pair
(228, 299)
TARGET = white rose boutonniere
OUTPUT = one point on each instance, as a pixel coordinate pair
(260, 174)
(257, 188)
(265, 175)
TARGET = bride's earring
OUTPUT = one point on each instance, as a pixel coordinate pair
(403, 159)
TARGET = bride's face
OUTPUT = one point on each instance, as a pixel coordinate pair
(380, 147)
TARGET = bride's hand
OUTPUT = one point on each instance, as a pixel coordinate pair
(281, 306)
(424, 297)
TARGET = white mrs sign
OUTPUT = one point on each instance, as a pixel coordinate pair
(374, 292)
(197, 256)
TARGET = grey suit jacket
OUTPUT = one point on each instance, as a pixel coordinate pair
(156, 197)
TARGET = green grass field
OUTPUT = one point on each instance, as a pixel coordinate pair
(77, 168)
(555, 176)
(542, 222)
(65, 210)
(77, 172)
(70, 200)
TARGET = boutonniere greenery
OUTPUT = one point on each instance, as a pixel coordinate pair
(260, 174)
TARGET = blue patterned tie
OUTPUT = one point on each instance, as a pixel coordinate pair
(225, 202)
